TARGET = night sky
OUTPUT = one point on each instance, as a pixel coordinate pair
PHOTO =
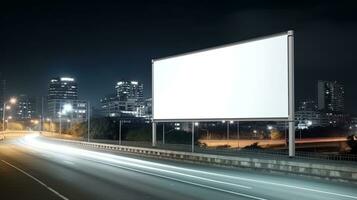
(101, 43)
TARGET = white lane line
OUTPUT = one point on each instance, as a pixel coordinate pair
(272, 183)
(196, 171)
(68, 162)
(163, 170)
(179, 180)
(37, 180)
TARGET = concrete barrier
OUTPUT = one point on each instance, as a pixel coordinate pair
(329, 171)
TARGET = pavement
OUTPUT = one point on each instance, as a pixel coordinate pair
(33, 168)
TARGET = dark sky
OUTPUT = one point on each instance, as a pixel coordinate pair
(101, 43)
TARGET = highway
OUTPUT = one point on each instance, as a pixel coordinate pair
(32, 167)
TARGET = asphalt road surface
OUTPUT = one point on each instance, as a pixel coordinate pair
(35, 168)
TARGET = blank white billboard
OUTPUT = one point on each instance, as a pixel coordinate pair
(240, 81)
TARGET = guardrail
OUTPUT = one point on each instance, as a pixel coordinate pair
(337, 172)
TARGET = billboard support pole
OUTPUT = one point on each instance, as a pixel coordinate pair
(193, 137)
(154, 134)
(163, 133)
(291, 94)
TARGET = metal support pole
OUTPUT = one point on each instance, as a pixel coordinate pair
(154, 134)
(3, 117)
(88, 120)
(163, 133)
(291, 94)
(238, 133)
(41, 114)
(227, 133)
(60, 124)
(119, 139)
(193, 137)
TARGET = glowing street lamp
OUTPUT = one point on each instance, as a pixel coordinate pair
(12, 100)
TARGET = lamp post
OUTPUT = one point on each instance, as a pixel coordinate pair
(60, 122)
(88, 120)
(7, 107)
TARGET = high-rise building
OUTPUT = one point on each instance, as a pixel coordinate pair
(330, 96)
(62, 88)
(307, 115)
(130, 90)
(25, 108)
(63, 100)
(128, 101)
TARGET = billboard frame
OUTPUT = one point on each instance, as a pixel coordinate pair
(290, 77)
(291, 96)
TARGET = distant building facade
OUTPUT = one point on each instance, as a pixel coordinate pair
(62, 88)
(63, 102)
(307, 115)
(25, 108)
(130, 90)
(128, 101)
(330, 96)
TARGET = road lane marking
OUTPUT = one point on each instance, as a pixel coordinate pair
(37, 180)
(38, 144)
(164, 170)
(180, 180)
(68, 162)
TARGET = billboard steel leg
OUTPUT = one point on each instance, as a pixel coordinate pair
(154, 134)
(291, 139)
(193, 137)
(291, 94)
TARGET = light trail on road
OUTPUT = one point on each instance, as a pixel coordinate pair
(168, 177)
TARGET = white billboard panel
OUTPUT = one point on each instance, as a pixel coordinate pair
(240, 81)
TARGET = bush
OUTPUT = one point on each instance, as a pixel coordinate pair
(352, 142)
(141, 134)
(276, 135)
(253, 146)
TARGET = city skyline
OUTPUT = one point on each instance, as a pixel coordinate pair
(178, 99)
(124, 46)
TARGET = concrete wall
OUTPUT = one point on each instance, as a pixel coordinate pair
(331, 170)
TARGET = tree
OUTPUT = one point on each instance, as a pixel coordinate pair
(352, 142)
(276, 135)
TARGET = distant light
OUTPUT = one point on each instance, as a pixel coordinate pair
(67, 108)
(231, 122)
(196, 123)
(223, 121)
(9, 117)
(13, 100)
(177, 128)
(8, 107)
(120, 83)
(67, 79)
(254, 131)
(309, 123)
(134, 82)
(270, 127)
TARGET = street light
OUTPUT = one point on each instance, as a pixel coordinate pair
(12, 100)
(50, 124)
(67, 108)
